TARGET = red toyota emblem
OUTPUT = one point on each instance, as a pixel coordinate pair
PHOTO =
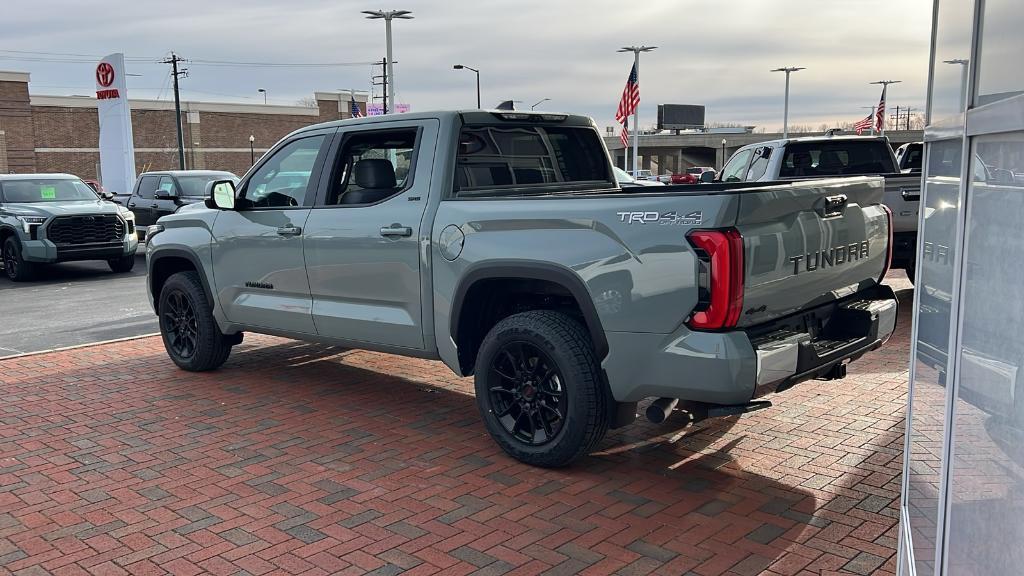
(105, 74)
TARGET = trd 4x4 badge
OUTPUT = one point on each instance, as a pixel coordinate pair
(694, 218)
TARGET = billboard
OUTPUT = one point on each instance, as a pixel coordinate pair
(378, 109)
(680, 116)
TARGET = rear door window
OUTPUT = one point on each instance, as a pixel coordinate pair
(522, 160)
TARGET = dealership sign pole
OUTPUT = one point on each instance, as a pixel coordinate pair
(117, 152)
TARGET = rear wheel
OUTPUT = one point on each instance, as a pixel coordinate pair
(122, 264)
(190, 333)
(539, 390)
(15, 266)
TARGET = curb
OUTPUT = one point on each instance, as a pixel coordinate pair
(77, 346)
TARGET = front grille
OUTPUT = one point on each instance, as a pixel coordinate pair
(73, 230)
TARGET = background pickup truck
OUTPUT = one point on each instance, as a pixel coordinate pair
(158, 194)
(834, 156)
(500, 243)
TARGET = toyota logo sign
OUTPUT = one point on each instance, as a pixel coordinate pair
(105, 74)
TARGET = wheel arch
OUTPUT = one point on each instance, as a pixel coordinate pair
(169, 261)
(466, 301)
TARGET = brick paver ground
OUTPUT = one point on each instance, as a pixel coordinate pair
(306, 459)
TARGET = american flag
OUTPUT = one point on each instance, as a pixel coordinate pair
(355, 109)
(630, 98)
(864, 124)
(624, 135)
(880, 112)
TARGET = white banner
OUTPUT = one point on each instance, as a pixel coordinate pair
(117, 152)
(378, 109)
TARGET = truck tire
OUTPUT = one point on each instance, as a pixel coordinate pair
(538, 388)
(122, 264)
(189, 331)
(15, 266)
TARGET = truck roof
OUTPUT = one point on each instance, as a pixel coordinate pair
(469, 116)
(40, 176)
(785, 141)
(185, 172)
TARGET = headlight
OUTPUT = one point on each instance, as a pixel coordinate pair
(27, 222)
(153, 231)
(128, 215)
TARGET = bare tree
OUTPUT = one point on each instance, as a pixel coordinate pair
(307, 102)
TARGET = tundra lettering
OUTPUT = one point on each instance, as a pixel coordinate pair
(831, 257)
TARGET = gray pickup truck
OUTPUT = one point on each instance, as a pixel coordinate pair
(839, 156)
(500, 243)
(48, 218)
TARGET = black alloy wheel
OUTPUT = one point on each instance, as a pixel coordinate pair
(10, 260)
(528, 398)
(179, 323)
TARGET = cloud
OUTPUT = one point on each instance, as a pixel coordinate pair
(709, 52)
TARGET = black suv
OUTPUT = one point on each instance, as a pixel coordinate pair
(158, 194)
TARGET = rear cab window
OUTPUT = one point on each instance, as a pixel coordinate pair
(147, 186)
(737, 166)
(530, 158)
(836, 158)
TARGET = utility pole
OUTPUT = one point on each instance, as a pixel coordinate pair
(908, 118)
(175, 73)
(383, 82)
(636, 50)
(785, 111)
(896, 123)
(388, 16)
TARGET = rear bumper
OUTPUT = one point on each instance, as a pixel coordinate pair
(45, 251)
(733, 367)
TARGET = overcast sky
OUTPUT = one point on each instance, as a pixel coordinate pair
(712, 52)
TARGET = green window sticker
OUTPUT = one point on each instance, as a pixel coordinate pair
(48, 192)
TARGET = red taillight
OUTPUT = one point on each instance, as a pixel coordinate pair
(721, 251)
(888, 250)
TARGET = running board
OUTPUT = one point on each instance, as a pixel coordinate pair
(660, 409)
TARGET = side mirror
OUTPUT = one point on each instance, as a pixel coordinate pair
(220, 194)
(707, 177)
(171, 194)
(107, 195)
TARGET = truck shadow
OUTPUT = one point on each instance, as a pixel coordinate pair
(50, 274)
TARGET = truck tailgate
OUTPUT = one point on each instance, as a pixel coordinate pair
(903, 196)
(809, 244)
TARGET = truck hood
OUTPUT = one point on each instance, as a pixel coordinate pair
(72, 208)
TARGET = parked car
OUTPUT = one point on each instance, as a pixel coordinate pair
(643, 175)
(47, 218)
(566, 300)
(626, 181)
(94, 184)
(838, 156)
(691, 175)
(158, 194)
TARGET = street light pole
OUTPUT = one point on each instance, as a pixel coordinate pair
(252, 151)
(542, 100)
(722, 165)
(264, 92)
(461, 67)
(636, 50)
(963, 79)
(785, 113)
(388, 16)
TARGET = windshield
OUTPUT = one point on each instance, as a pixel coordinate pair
(621, 175)
(196, 185)
(46, 190)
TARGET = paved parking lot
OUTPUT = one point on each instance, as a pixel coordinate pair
(306, 459)
(71, 304)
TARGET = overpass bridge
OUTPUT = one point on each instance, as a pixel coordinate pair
(662, 153)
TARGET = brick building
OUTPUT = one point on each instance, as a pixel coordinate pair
(61, 133)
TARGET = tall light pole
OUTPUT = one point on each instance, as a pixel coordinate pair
(461, 67)
(542, 100)
(636, 50)
(388, 16)
(885, 87)
(963, 62)
(264, 92)
(785, 113)
(722, 165)
(252, 151)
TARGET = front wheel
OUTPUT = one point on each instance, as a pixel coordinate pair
(15, 266)
(539, 390)
(122, 264)
(190, 333)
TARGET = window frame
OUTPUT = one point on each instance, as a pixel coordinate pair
(746, 164)
(312, 185)
(337, 148)
(759, 155)
(152, 193)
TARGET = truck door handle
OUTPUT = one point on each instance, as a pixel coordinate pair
(154, 205)
(131, 204)
(395, 230)
(289, 231)
(910, 195)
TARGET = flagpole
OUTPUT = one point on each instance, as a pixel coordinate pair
(636, 118)
(881, 103)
